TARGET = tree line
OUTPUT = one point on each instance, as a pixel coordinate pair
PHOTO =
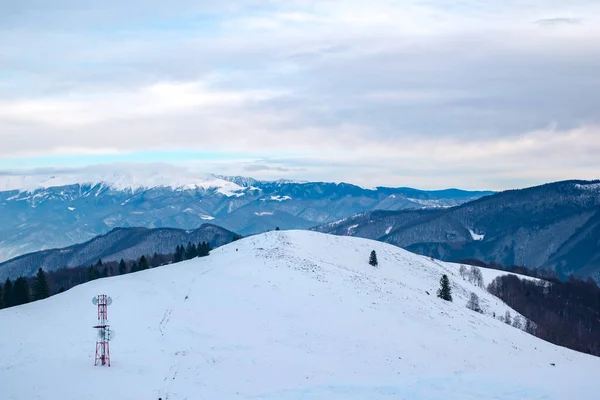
(566, 313)
(44, 284)
(542, 273)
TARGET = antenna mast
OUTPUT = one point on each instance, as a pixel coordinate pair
(104, 334)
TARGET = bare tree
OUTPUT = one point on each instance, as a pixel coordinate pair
(517, 322)
(476, 277)
(507, 318)
(463, 272)
(473, 303)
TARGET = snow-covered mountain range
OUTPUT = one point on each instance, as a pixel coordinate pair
(287, 315)
(49, 211)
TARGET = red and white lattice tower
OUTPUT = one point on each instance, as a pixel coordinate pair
(104, 334)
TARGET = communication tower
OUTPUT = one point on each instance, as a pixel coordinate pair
(104, 332)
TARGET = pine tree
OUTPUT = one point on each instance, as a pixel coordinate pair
(143, 263)
(507, 318)
(134, 267)
(276, 228)
(177, 255)
(21, 291)
(122, 267)
(373, 259)
(191, 251)
(92, 274)
(203, 249)
(445, 291)
(473, 303)
(155, 260)
(1, 297)
(187, 251)
(40, 288)
(8, 293)
(99, 263)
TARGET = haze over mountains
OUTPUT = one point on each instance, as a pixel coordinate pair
(42, 212)
(119, 243)
(555, 226)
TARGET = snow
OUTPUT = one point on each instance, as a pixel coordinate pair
(285, 315)
(123, 179)
(388, 230)
(429, 203)
(488, 274)
(351, 229)
(475, 236)
(589, 186)
(71, 208)
(263, 213)
(206, 217)
(280, 198)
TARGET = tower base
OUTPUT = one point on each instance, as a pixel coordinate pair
(102, 354)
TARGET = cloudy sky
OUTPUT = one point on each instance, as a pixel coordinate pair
(488, 94)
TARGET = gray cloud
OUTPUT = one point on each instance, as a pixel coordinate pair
(559, 21)
(263, 167)
(316, 80)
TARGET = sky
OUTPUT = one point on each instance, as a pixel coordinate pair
(477, 94)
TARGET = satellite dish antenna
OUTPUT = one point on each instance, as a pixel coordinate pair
(108, 301)
(106, 334)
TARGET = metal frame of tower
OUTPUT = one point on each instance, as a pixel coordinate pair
(102, 345)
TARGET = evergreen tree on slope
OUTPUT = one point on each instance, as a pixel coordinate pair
(373, 259)
(40, 288)
(143, 263)
(122, 267)
(21, 291)
(445, 291)
(8, 293)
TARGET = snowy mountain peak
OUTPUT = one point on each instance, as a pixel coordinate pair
(122, 180)
(287, 315)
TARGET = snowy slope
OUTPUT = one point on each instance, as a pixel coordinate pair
(285, 315)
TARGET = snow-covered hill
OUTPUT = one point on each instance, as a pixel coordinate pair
(285, 315)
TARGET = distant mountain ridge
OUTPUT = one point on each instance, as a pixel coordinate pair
(554, 226)
(119, 243)
(42, 215)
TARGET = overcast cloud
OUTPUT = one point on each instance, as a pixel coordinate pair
(474, 94)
